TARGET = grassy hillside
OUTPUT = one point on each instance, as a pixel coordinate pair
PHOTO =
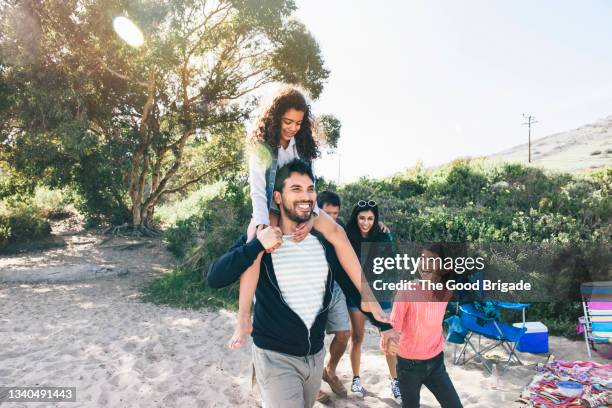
(585, 148)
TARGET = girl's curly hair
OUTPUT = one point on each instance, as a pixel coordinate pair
(268, 126)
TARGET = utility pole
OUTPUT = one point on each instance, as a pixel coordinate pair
(530, 121)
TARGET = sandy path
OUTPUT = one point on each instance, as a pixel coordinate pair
(95, 335)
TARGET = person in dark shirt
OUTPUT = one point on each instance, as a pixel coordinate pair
(364, 226)
(288, 346)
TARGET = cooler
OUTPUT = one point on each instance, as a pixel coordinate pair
(535, 339)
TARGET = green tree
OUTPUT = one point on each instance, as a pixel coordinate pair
(130, 125)
(331, 128)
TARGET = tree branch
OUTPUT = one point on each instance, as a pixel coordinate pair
(119, 75)
(199, 178)
(227, 8)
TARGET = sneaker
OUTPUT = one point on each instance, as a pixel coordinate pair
(395, 390)
(357, 389)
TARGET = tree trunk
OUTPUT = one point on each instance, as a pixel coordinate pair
(140, 161)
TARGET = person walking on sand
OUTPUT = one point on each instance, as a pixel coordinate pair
(337, 317)
(338, 321)
(364, 227)
(418, 316)
(293, 295)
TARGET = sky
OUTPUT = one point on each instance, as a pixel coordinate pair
(432, 81)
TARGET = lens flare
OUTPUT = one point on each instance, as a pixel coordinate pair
(128, 31)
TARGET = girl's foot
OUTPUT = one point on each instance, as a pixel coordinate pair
(357, 388)
(395, 391)
(242, 330)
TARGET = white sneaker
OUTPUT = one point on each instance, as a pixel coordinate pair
(357, 388)
(395, 391)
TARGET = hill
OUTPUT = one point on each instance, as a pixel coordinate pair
(585, 148)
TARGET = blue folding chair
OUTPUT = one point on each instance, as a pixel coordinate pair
(503, 335)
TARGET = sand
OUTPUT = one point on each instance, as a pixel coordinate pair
(94, 334)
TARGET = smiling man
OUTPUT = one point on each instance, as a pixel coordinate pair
(293, 295)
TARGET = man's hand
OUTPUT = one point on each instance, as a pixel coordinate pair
(303, 230)
(270, 237)
(389, 342)
(383, 228)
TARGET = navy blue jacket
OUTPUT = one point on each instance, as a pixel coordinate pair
(276, 326)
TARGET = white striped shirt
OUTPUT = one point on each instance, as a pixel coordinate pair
(301, 271)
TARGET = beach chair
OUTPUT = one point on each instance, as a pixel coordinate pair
(597, 320)
(478, 324)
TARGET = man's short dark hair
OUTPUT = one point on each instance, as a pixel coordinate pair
(328, 197)
(294, 166)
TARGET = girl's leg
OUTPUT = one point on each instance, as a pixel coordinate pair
(248, 284)
(357, 333)
(410, 378)
(336, 235)
(441, 386)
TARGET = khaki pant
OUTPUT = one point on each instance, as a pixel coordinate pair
(287, 381)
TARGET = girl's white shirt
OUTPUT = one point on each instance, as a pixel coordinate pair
(257, 179)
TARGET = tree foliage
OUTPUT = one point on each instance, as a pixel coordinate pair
(129, 126)
(331, 128)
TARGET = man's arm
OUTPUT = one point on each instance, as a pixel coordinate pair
(229, 266)
(349, 289)
(227, 269)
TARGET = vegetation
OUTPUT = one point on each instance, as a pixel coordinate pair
(462, 202)
(198, 240)
(129, 127)
(25, 217)
(21, 225)
(154, 136)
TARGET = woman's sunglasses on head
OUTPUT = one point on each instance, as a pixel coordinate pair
(364, 203)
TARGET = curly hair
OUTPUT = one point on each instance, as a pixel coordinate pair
(268, 126)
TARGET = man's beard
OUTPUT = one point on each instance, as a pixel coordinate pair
(294, 216)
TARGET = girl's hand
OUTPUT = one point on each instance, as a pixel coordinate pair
(374, 308)
(389, 342)
(270, 237)
(303, 230)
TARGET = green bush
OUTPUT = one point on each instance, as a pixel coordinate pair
(510, 203)
(20, 226)
(181, 236)
(461, 202)
(199, 240)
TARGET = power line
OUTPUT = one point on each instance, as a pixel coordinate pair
(530, 121)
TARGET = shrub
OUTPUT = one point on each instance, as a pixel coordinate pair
(20, 226)
(200, 239)
(460, 202)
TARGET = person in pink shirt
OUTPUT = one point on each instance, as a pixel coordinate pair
(417, 315)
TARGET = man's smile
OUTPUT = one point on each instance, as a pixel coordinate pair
(304, 206)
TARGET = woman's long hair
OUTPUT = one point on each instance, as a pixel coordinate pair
(352, 228)
(268, 126)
